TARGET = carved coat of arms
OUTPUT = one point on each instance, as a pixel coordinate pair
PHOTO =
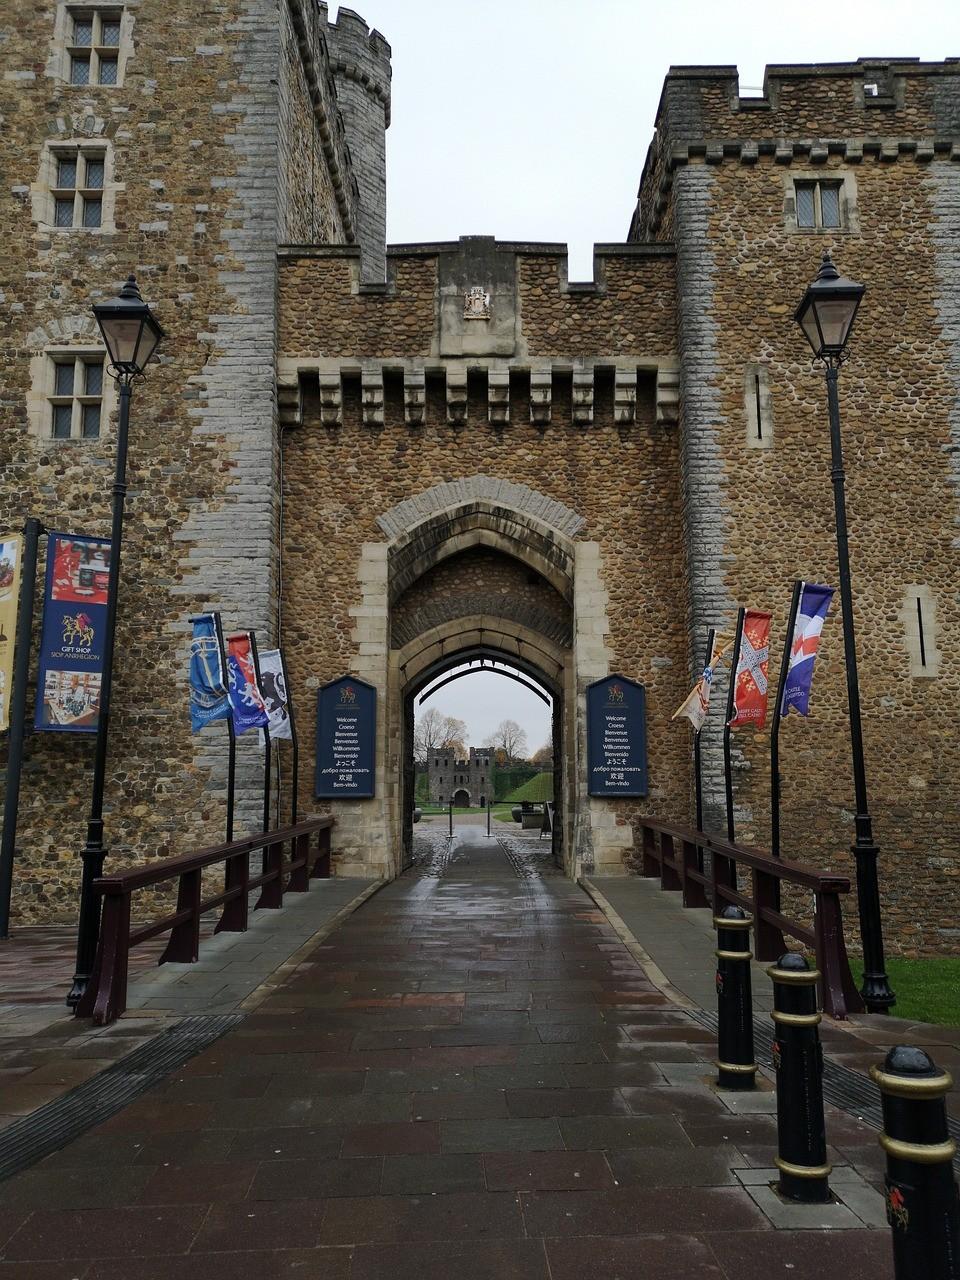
(476, 304)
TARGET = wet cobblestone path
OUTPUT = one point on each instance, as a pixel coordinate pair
(470, 1078)
(435, 853)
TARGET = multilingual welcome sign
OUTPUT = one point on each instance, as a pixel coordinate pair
(616, 737)
(346, 740)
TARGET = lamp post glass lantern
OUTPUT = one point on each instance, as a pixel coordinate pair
(826, 315)
(130, 331)
(131, 335)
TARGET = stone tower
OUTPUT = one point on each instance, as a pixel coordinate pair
(360, 62)
(447, 776)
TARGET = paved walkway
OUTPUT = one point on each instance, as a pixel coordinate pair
(45, 1051)
(471, 1077)
(679, 944)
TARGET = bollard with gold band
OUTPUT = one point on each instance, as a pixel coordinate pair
(736, 1068)
(798, 1060)
(922, 1204)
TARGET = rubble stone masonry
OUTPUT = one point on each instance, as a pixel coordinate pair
(204, 140)
(721, 172)
(388, 457)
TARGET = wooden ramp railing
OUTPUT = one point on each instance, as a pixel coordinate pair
(106, 995)
(676, 855)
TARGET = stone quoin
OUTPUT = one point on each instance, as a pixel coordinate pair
(387, 458)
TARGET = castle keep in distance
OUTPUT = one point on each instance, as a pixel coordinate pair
(390, 458)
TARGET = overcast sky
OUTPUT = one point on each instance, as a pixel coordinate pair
(530, 120)
(483, 699)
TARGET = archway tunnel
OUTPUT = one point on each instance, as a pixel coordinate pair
(480, 604)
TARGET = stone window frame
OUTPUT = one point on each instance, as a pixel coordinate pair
(758, 406)
(66, 52)
(44, 396)
(47, 193)
(849, 209)
(918, 614)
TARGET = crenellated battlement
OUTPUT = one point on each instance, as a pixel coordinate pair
(359, 59)
(478, 308)
(874, 107)
(360, 54)
(871, 95)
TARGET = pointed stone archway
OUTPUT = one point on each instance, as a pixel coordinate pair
(477, 564)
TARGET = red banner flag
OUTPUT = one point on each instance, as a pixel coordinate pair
(750, 692)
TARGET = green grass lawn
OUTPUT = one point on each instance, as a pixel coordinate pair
(538, 788)
(927, 990)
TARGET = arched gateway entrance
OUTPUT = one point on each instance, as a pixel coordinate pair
(482, 568)
(464, 663)
(480, 583)
(475, 568)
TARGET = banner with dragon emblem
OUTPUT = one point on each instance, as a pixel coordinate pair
(72, 635)
(273, 682)
(246, 696)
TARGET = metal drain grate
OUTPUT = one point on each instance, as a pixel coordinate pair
(55, 1124)
(846, 1089)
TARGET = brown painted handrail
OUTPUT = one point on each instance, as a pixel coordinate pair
(106, 995)
(675, 854)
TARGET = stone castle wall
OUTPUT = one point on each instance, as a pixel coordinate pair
(760, 513)
(206, 139)
(332, 452)
(619, 479)
(360, 61)
(446, 775)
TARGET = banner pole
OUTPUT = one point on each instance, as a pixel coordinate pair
(231, 731)
(18, 714)
(731, 691)
(295, 783)
(698, 782)
(266, 739)
(775, 727)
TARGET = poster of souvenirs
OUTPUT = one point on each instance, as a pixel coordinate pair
(74, 628)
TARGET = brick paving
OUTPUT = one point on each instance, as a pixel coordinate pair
(470, 1077)
(679, 944)
(45, 1051)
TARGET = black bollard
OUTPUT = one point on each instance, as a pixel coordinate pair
(736, 1068)
(451, 819)
(922, 1205)
(798, 1059)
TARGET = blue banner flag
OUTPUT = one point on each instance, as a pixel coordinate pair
(812, 610)
(74, 629)
(208, 690)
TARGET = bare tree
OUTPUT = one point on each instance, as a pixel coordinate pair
(543, 756)
(509, 738)
(433, 731)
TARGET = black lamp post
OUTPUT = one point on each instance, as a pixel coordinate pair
(826, 316)
(131, 335)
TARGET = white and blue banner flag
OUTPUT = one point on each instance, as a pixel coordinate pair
(208, 690)
(812, 610)
(274, 688)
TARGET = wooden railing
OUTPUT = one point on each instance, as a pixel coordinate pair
(676, 855)
(106, 995)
